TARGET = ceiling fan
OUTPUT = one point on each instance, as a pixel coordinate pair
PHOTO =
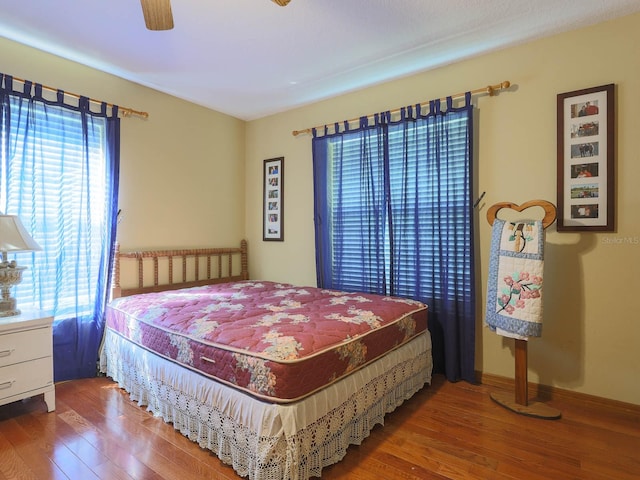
(158, 16)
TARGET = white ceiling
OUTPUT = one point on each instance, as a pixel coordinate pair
(253, 58)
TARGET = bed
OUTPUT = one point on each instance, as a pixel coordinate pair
(277, 380)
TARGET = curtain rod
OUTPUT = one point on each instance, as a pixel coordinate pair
(490, 90)
(126, 112)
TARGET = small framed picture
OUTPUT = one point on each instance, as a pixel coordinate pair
(273, 200)
(586, 140)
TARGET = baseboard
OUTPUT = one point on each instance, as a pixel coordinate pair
(546, 393)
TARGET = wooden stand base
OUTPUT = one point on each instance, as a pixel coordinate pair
(532, 409)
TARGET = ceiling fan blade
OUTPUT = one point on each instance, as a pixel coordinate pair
(282, 3)
(157, 14)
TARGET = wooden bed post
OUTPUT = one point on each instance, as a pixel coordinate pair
(521, 403)
(115, 289)
(244, 261)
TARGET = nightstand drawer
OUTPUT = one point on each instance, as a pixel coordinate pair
(22, 378)
(26, 345)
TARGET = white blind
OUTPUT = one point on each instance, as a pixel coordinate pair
(429, 200)
(47, 174)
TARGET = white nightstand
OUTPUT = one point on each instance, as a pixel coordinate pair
(26, 358)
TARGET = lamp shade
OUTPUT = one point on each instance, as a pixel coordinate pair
(14, 237)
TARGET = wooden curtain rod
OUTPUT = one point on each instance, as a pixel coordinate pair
(126, 112)
(490, 90)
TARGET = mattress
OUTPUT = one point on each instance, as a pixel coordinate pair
(276, 341)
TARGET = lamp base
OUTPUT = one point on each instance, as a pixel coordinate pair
(10, 275)
(8, 307)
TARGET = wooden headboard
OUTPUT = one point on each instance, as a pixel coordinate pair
(201, 266)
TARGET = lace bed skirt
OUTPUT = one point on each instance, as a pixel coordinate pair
(265, 441)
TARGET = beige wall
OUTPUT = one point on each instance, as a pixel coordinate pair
(182, 169)
(591, 326)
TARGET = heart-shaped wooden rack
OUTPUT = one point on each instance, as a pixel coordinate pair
(548, 207)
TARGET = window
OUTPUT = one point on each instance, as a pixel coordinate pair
(53, 173)
(59, 173)
(407, 201)
(394, 215)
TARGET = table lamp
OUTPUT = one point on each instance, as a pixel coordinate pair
(13, 238)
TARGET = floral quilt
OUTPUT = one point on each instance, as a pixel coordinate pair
(516, 265)
(277, 341)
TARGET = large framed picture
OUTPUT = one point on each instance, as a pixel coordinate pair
(586, 140)
(273, 200)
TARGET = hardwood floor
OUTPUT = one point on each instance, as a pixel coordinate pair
(446, 431)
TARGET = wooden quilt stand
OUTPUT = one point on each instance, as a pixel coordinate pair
(521, 404)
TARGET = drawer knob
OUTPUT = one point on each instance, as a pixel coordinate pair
(6, 385)
(6, 353)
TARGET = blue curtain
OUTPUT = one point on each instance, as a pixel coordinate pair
(394, 215)
(60, 170)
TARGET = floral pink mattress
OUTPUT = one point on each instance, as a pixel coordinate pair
(277, 341)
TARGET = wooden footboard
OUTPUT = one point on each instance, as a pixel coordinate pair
(195, 267)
